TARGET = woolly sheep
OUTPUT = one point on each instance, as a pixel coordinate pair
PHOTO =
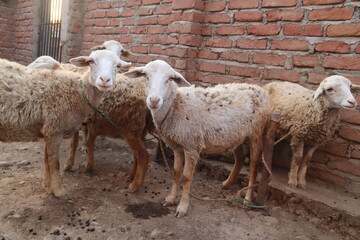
(311, 117)
(125, 106)
(212, 120)
(41, 103)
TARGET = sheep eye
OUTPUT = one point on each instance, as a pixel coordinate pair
(329, 89)
(91, 61)
(118, 65)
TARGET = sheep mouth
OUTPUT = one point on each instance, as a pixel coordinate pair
(104, 88)
(350, 106)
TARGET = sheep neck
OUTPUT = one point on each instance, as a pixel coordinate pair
(91, 94)
(161, 114)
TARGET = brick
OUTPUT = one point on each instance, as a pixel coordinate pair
(190, 40)
(321, 2)
(169, 40)
(212, 67)
(305, 61)
(158, 50)
(178, 52)
(207, 54)
(147, 21)
(150, 2)
(125, 39)
(217, 18)
(138, 30)
(128, 22)
(230, 30)
(331, 14)
(206, 31)
(339, 149)
(192, 17)
(303, 30)
(215, 6)
(253, 16)
(145, 59)
(149, 39)
(235, 56)
(326, 176)
(191, 28)
(101, 22)
(160, 10)
(345, 165)
(156, 30)
(357, 50)
(131, 3)
(244, 71)
(291, 45)
(146, 11)
(164, 20)
(114, 23)
(219, 42)
(127, 13)
(285, 15)
(263, 30)
(279, 3)
(343, 30)
(251, 44)
(350, 133)
(342, 63)
(332, 46)
(316, 78)
(236, 4)
(355, 153)
(188, 4)
(99, 14)
(350, 116)
(139, 49)
(112, 14)
(269, 59)
(281, 74)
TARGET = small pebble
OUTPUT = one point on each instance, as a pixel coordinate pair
(68, 238)
(31, 230)
(39, 218)
(34, 233)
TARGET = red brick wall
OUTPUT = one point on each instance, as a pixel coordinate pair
(7, 33)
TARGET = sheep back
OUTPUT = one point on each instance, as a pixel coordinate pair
(215, 119)
(33, 102)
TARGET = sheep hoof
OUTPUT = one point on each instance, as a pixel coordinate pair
(224, 185)
(132, 187)
(67, 167)
(167, 204)
(89, 167)
(292, 185)
(61, 194)
(302, 186)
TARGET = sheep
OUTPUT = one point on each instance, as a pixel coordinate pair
(212, 120)
(48, 104)
(310, 117)
(125, 106)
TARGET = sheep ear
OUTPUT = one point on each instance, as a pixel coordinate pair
(98, 47)
(355, 88)
(81, 61)
(136, 72)
(126, 53)
(318, 92)
(180, 80)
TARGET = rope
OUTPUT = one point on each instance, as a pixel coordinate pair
(162, 151)
(94, 108)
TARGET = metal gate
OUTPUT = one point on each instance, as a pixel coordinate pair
(50, 28)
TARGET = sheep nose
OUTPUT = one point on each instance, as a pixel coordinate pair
(105, 79)
(154, 101)
(352, 102)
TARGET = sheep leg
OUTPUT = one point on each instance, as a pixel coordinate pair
(141, 161)
(178, 162)
(239, 156)
(303, 167)
(297, 157)
(83, 144)
(189, 169)
(256, 150)
(90, 145)
(46, 179)
(52, 149)
(73, 146)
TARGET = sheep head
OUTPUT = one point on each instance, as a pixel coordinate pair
(162, 80)
(103, 64)
(337, 90)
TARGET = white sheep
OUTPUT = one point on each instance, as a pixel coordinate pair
(42, 103)
(193, 120)
(125, 106)
(311, 118)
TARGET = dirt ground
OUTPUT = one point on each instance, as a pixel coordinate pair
(100, 207)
